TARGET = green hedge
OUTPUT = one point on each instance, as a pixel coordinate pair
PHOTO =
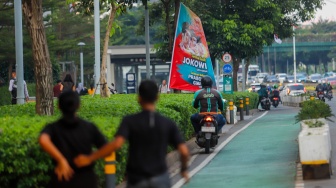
(5, 96)
(22, 162)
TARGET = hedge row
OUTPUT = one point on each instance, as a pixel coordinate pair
(5, 96)
(22, 162)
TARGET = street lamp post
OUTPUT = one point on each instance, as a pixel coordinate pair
(81, 44)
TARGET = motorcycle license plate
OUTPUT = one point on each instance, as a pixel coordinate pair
(321, 96)
(275, 99)
(209, 129)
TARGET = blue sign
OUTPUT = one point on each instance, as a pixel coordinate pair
(227, 69)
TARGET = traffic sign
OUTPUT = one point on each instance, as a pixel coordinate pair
(227, 58)
(227, 69)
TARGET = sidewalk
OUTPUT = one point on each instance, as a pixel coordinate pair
(263, 155)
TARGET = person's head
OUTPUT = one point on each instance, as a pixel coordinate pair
(206, 81)
(13, 73)
(68, 78)
(323, 81)
(68, 103)
(59, 82)
(267, 85)
(148, 92)
(164, 82)
(91, 86)
(328, 83)
(275, 86)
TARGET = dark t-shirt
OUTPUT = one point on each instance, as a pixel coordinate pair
(149, 135)
(74, 138)
(67, 86)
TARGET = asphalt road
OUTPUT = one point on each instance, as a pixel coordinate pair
(259, 152)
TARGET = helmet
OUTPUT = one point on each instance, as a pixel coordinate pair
(206, 81)
(323, 81)
(275, 86)
(267, 85)
(328, 83)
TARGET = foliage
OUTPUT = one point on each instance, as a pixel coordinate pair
(314, 123)
(314, 109)
(5, 96)
(22, 162)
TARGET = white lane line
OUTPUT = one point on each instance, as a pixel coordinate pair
(181, 182)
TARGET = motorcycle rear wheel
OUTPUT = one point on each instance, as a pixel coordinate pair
(207, 146)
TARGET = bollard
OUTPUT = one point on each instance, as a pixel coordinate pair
(110, 170)
(231, 111)
(247, 104)
(312, 97)
(241, 108)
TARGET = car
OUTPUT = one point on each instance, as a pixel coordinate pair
(293, 89)
(329, 74)
(290, 78)
(331, 80)
(314, 78)
(271, 79)
(260, 77)
(301, 78)
(256, 87)
(282, 77)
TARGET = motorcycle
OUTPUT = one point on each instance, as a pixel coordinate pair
(208, 136)
(275, 101)
(328, 95)
(265, 103)
(320, 95)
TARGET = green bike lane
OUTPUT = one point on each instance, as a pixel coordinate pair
(262, 155)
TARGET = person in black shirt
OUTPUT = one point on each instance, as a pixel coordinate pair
(148, 134)
(65, 139)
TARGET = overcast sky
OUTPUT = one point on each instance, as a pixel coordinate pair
(328, 10)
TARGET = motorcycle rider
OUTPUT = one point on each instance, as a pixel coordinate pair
(329, 89)
(207, 99)
(319, 88)
(275, 93)
(262, 92)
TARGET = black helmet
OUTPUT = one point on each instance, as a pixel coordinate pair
(206, 81)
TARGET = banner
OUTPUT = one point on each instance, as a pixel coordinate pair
(191, 59)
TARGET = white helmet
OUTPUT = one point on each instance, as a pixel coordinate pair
(323, 81)
(267, 85)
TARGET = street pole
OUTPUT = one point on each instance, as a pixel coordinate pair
(287, 67)
(81, 44)
(97, 45)
(269, 64)
(147, 41)
(217, 73)
(274, 60)
(19, 51)
(294, 54)
(243, 74)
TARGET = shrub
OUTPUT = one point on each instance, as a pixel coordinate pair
(24, 164)
(5, 96)
(314, 109)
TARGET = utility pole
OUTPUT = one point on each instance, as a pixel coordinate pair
(147, 41)
(19, 51)
(97, 45)
(294, 53)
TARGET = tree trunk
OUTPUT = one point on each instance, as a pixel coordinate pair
(236, 62)
(177, 10)
(104, 91)
(166, 5)
(247, 64)
(32, 10)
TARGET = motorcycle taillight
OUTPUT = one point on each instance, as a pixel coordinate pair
(208, 118)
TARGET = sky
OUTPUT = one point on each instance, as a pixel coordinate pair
(328, 11)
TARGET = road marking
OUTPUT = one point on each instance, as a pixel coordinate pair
(181, 182)
(299, 183)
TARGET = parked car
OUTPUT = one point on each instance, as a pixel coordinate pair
(329, 74)
(293, 89)
(260, 77)
(314, 78)
(271, 79)
(282, 77)
(290, 78)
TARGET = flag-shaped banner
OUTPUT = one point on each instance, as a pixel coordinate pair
(191, 59)
(277, 39)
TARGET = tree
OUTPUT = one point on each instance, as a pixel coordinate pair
(33, 16)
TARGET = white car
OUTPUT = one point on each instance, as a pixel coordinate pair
(282, 77)
(293, 89)
(260, 77)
